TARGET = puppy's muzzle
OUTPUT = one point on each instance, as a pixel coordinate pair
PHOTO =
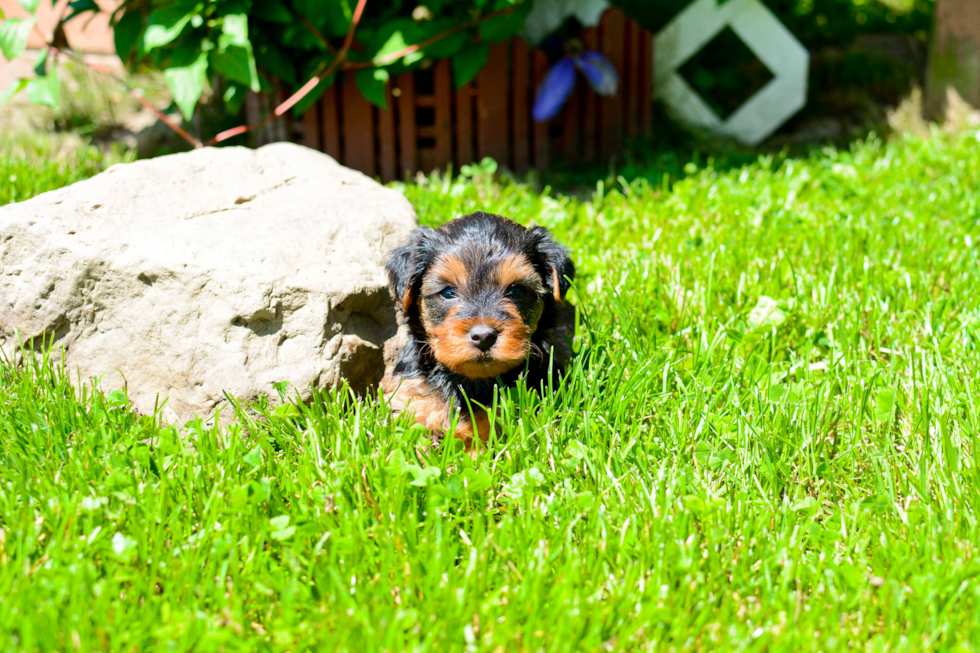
(483, 337)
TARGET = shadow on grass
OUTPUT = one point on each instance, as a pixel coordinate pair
(674, 153)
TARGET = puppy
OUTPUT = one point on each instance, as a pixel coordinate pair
(483, 298)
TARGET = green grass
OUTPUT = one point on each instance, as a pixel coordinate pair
(768, 442)
(32, 163)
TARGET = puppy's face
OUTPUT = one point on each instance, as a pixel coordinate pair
(479, 286)
(480, 310)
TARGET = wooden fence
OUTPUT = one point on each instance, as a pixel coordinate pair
(429, 124)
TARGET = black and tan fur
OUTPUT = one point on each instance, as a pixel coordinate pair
(481, 295)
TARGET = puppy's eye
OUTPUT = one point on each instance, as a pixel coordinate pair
(448, 293)
(516, 293)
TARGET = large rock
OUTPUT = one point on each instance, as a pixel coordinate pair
(219, 270)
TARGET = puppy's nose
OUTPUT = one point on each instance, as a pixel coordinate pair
(483, 337)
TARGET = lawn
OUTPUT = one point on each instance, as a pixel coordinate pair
(32, 163)
(768, 441)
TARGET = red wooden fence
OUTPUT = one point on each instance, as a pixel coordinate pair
(429, 124)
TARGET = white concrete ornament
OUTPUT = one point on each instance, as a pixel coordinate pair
(761, 31)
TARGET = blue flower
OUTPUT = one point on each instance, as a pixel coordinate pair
(558, 84)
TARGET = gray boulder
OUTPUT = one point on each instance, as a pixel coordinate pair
(219, 270)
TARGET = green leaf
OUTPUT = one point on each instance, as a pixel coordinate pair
(585, 500)
(44, 90)
(281, 387)
(186, 82)
(298, 37)
(477, 481)
(530, 478)
(901, 6)
(884, 405)
(122, 545)
(13, 90)
(424, 476)
(505, 26)
(254, 457)
(397, 35)
(339, 16)
(234, 97)
(284, 534)
(41, 66)
(286, 410)
(396, 463)
(272, 11)
(234, 30)
(79, 7)
(468, 63)
(84, 5)
(2, 15)
(90, 504)
(806, 503)
(331, 18)
(126, 33)
(234, 57)
(373, 83)
(448, 46)
(312, 97)
(13, 36)
(164, 25)
(314, 11)
(271, 60)
(29, 5)
(281, 528)
(237, 64)
(766, 313)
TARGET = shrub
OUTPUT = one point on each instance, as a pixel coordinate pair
(242, 45)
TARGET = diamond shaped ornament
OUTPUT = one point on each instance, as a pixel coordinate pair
(769, 40)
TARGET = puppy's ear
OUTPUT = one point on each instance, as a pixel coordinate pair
(554, 260)
(407, 264)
